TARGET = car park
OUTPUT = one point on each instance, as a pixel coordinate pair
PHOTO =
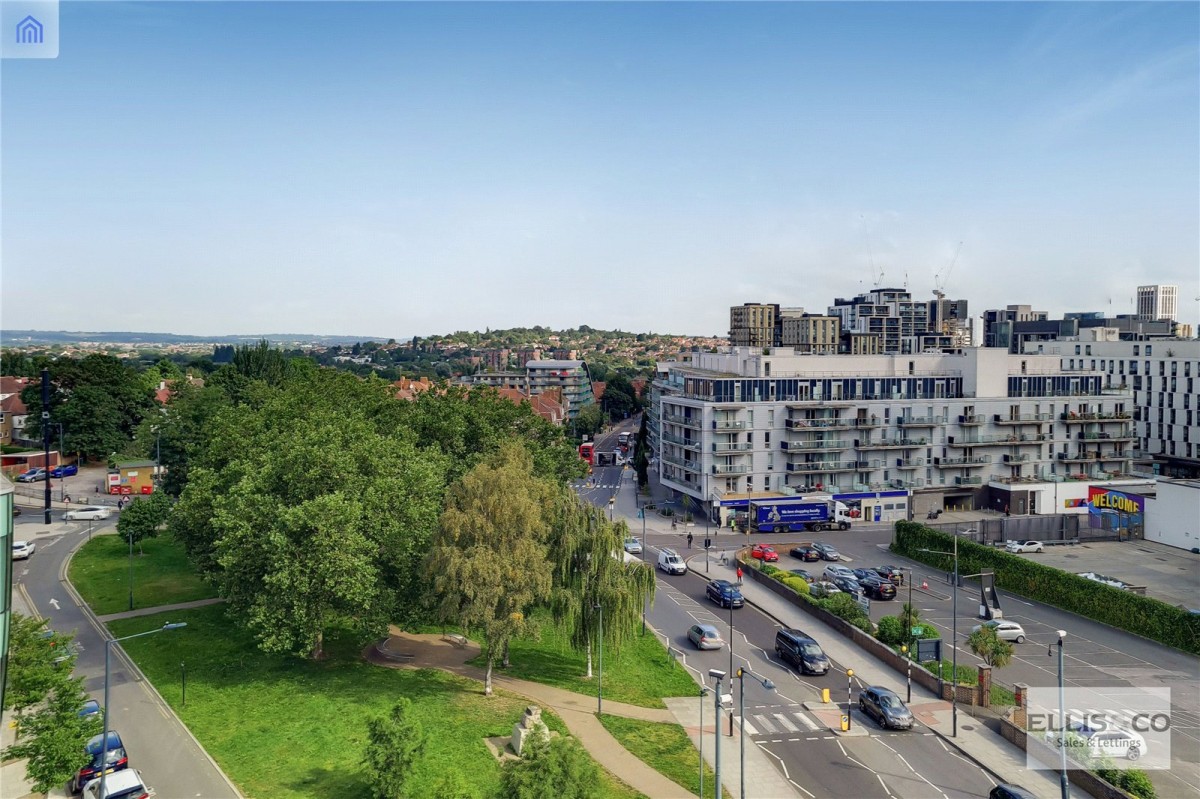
(827, 552)
(803, 574)
(22, 549)
(127, 784)
(705, 636)
(117, 759)
(88, 513)
(839, 571)
(765, 553)
(805, 553)
(876, 587)
(801, 650)
(1005, 630)
(886, 707)
(724, 593)
(670, 562)
(31, 476)
(1025, 546)
(66, 470)
(633, 546)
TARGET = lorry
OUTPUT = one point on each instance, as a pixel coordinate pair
(793, 514)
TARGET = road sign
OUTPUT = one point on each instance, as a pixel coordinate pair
(918, 630)
(929, 649)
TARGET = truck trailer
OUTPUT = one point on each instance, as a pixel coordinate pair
(793, 514)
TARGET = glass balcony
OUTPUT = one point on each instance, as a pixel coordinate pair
(1023, 418)
(895, 443)
(919, 421)
(687, 421)
(823, 467)
(968, 481)
(1016, 458)
(741, 446)
(728, 424)
(1072, 417)
(972, 420)
(813, 446)
(961, 463)
(728, 468)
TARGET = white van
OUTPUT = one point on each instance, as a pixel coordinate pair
(670, 562)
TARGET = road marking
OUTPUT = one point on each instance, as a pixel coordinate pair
(885, 787)
(785, 722)
(749, 727)
(765, 724)
(914, 771)
(54, 602)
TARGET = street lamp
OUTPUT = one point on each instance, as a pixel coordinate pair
(129, 533)
(717, 675)
(908, 668)
(953, 634)
(1062, 720)
(107, 657)
(849, 691)
(600, 678)
(770, 686)
(731, 671)
(704, 691)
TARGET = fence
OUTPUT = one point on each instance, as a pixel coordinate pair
(1059, 528)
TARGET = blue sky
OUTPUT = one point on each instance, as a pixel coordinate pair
(392, 169)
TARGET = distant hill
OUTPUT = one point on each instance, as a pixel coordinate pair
(17, 338)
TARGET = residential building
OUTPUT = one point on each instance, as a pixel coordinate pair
(998, 324)
(12, 409)
(973, 428)
(571, 378)
(902, 324)
(6, 569)
(548, 404)
(753, 325)
(811, 333)
(1157, 302)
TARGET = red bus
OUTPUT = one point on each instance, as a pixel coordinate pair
(586, 451)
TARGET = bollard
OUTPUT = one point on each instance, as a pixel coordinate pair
(825, 695)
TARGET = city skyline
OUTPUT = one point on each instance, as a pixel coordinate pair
(393, 169)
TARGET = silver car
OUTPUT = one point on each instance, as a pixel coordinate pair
(633, 546)
(1005, 630)
(85, 514)
(839, 571)
(705, 636)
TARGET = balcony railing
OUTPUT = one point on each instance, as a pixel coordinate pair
(811, 446)
(1124, 436)
(867, 423)
(1016, 458)
(823, 467)
(818, 424)
(741, 446)
(728, 424)
(895, 443)
(728, 468)
(686, 421)
(967, 463)
(969, 420)
(693, 444)
(693, 466)
(1071, 417)
(986, 441)
(968, 481)
(909, 463)
(919, 421)
(1078, 457)
(1023, 418)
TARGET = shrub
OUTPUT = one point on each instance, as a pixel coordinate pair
(395, 744)
(891, 631)
(797, 584)
(770, 570)
(1134, 781)
(1112, 606)
(844, 607)
(555, 769)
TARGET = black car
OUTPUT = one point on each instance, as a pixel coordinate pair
(724, 593)
(890, 573)
(117, 759)
(799, 649)
(886, 707)
(1009, 791)
(827, 552)
(805, 553)
(848, 585)
(878, 588)
(862, 574)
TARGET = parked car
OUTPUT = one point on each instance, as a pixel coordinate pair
(633, 546)
(118, 759)
(805, 553)
(823, 587)
(16, 510)
(1005, 630)
(890, 573)
(1025, 546)
(89, 708)
(1009, 791)
(32, 476)
(22, 549)
(839, 571)
(877, 587)
(802, 651)
(827, 552)
(67, 470)
(765, 553)
(670, 562)
(803, 574)
(862, 574)
(127, 784)
(886, 707)
(848, 585)
(1078, 727)
(724, 593)
(705, 636)
(88, 513)
(1117, 743)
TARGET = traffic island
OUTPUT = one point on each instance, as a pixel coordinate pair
(834, 718)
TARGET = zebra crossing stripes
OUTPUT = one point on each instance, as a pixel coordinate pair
(776, 723)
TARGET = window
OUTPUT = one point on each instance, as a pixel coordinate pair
(1149, 347)
(767, 438)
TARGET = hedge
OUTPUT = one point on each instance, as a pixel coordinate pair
(1124, 610)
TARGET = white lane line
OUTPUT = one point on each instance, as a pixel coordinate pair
(885, 786)
(750, 730)
(785, 722)
(913, 770)
(807, 722)
(765, 724)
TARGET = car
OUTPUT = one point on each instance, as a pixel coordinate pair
(127, 784)
(827, 552)
(32, 476)
(823, 587)
(805, 553)
(765, 553)
(16, 511)
(877, 587)
(670, 562)
(1078, 727)
(848, 585)
(839, 571)
(802, 651)
(862, 574)
(117, 759)
(705, 636)
(66, 470)
(1117, 743)
(886, 707)
(22, 549)
(91, 512)
(890, 573)
(1005, 630)
(724, 593)
(1007, 790)
(89, 708)
(1025, 546)
(803, 574)
(633, 546)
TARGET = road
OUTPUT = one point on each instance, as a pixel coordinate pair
(1096, 655)
(159, 746)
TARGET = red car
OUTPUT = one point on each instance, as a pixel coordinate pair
(765, 553)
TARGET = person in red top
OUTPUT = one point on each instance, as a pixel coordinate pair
(739, 574)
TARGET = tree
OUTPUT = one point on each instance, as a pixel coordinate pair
(588, 421)
(451, 785)
(143, 518)
(891, 631)
(910, 617)
(488, 559)
(990, 648)
(395, 744)
(587, 551)
(554, 769)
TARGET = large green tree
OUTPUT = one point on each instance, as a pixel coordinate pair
(143, 518)
(489, 557)
(395, 744)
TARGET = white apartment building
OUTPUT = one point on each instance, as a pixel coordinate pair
(1164, 378)
(1157, 302)
(976, 428)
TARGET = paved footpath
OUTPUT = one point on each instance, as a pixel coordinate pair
(133, 614)
(578, 712)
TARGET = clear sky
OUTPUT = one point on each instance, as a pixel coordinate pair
(391, 169)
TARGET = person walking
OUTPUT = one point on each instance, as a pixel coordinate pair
(689, 539)
(739, 575)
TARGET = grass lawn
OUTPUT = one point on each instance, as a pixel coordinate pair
(286, 727)
(640, 674)
(162, 576)
(666, 748)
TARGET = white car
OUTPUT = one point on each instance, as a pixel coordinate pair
(22, 549)
(633, 546)
(123, 784)
(89, 513)
(1117, 743)
(1025, 546)
(1005, 630)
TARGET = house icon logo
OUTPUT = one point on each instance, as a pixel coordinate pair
(29, 31)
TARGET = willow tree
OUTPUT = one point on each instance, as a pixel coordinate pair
(488, 559)
(592, 577)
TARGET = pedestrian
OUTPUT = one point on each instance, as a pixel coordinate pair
(739, 574)
(66, 499)
(689, 540)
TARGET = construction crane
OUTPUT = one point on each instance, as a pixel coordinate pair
(876, 278)
(939, 282)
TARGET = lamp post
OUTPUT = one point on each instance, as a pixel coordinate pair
(107, 659)
(704, 691)
(731, 671)
(770, 686)
(130, 534)
(849, 691)
(1062, 722)
(953, 634)
(642, 513)
(717, 675)
(908, 671)
(600, 677)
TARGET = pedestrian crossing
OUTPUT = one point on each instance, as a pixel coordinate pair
(776, 723)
